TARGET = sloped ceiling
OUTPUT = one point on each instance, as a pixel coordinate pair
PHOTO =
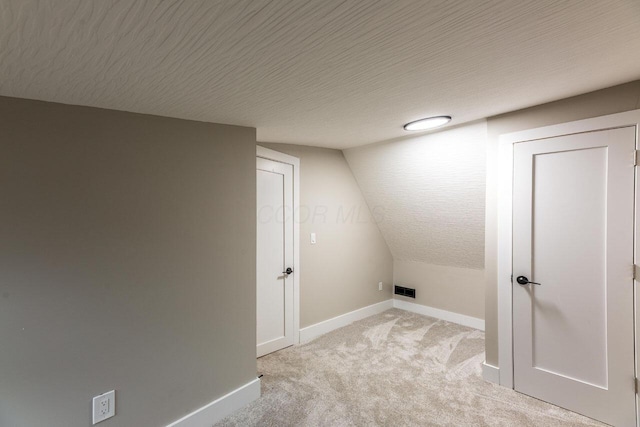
(332, 73)
(428, 194)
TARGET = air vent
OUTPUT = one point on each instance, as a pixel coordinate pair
(405, 292)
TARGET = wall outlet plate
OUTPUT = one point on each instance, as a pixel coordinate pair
(379, 286)
(104, 406)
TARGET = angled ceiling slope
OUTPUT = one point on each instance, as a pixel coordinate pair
(428, 193)
(332, 73)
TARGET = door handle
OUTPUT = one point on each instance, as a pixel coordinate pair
(522, 280)
(288, 271)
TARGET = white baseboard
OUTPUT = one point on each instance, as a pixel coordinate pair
(213, 412)
(449, 316)
(490, 373)
(311, 332)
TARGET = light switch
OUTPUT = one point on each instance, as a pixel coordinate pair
(313, 238)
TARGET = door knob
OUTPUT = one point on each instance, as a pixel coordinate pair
(289, 270)
(522, 280)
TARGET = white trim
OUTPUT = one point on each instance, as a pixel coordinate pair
(277, 156)
(611, 121)
(449, 316)
(505, 193)
(311, 332)
(213, 412)
(490, 373)
(636, 276)
(505, 196)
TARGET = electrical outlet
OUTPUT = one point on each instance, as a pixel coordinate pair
(379, 286)
(104, 406)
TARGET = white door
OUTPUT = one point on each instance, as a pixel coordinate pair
(573, 225)
(274, 256)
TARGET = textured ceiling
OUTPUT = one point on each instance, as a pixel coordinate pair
(428, 193)
(334, 73)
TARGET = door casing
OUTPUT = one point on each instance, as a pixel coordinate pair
(276, 156)
(505, 203)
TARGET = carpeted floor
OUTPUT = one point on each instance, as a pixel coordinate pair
(393, 369)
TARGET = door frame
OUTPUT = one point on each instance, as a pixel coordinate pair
(505, 205)
(277, 156)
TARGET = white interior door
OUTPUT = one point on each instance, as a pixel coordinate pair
(274, 256)
(573, 227)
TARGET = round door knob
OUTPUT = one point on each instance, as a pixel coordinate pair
(522, 280)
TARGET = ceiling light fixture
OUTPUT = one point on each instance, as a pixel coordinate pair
(428, 123)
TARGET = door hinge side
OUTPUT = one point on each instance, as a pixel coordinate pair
(636, 272)
(636, 157)
(636, 384)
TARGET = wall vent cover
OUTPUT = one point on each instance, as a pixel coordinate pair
(405, 292)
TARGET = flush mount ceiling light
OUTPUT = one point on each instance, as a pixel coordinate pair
(428, 123)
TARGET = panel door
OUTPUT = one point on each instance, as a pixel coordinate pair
(573, 309)
(274, 255)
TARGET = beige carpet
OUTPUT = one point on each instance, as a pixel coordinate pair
(393, 369)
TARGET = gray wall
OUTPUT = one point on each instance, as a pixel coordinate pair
(127, 260)
(456, 289)
(607, 101)
(341, 272)
(430, 189)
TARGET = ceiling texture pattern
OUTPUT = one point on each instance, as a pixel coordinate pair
(332, 73)
(428, 193)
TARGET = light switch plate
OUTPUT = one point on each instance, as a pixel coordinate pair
(313, 238)
(104, 406)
